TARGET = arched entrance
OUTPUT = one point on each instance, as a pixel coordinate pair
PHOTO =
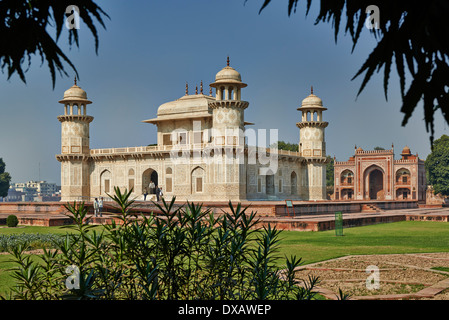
(376, 185)
(148, 176)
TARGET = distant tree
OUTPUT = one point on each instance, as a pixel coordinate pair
(24, 26)
(5, 179)
(437, 166)
(379, 148)
(409, 33)
(330, 175)
(282, 145)
(330, 172)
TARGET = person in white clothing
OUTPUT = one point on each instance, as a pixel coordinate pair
(100, 206)
(96, 207)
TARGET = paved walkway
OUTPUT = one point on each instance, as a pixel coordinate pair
(327, 217)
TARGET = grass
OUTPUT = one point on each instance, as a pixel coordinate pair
(33, 229)
(398, 237)
(6, 281)
(445, 269)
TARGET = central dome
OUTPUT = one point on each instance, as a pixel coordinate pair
(186, 106)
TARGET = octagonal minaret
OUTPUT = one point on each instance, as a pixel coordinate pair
(228, 109)
(75, 149)
(228, 134)
(312, 142)
(312, 145)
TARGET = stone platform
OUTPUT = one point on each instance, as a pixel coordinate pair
(304, 216)
(327, 221)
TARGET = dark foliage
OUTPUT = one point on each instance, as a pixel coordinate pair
(12, 221)
(185, 253)
(24, 26)
(5, 179)
(412, 35)
(437, 166)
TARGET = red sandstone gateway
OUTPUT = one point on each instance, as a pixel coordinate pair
(376, 175)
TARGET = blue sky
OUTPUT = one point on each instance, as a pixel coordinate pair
(150, 49)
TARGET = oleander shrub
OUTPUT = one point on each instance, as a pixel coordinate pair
(12, 221)
(183, 253)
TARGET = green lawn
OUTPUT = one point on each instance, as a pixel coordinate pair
(398, 237)
(33, 229)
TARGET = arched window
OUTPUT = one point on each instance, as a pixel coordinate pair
(105, 182)
(347, 177)
(293, 183)
(197, 180)
(168, 179)
(230, 93)
(403, 176)
(269, 182)
(131, 179)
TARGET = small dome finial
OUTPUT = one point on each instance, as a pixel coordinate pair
(227, 62)
(75, 80)
(196, 90)
(201, 87)
(187, 89)
(210, 91)
(311, 89)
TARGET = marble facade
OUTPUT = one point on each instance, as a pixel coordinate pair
(203, 151)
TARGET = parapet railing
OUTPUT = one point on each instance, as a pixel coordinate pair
(405, 161)
(344, 163)
(87, 199)
(373, 151)
(180, 148)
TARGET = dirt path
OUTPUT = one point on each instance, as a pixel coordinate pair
(399, 276)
